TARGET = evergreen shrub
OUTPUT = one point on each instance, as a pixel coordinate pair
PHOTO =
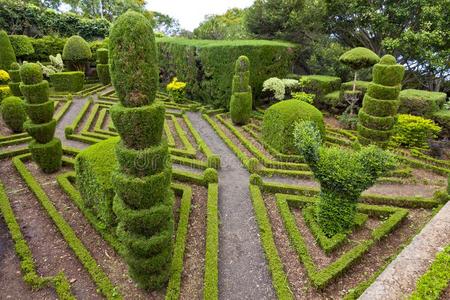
(67, 81)
(76, 53)
(13, 113)
(241, 98)
(7, 56)
(420, 103)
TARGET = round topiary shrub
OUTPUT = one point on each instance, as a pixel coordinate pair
(13, 113)
(134, 69)
(76, 53)
(279, 120)
(7, 56)
(31, 73)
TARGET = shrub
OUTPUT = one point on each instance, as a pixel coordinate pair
(176, 90)
(46, 46)
(7, 56)
(420, 103)
(343, 175)
(414, 131)
(241, 98)
(4, 92)
(290, 86)
(4, 77)
(103, 66)
(31, 73)
(302, 96)
(143, 202)
(320, 85)
(67, 81)
(13, 113)
(102, 56)
(14, 84)
(275, 86)
(134, 70)
(76, 52)
(208, 66)
(279, 120)
(380, 102)
(22, 45)
(47, 156)
(442, 117)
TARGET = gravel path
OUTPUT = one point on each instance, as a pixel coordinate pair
(243, 273)
(400, 277)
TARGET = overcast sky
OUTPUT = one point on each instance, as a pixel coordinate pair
(191, 12)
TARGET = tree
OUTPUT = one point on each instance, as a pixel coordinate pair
(165, 24)
(229, 26)
(359, 58)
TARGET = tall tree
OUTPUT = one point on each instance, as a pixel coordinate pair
(229, 26)
(165, 24)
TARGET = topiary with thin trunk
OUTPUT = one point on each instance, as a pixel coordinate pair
(343, 175)
(46, 150)
(144, 201)
(241, 97)
(76, 53)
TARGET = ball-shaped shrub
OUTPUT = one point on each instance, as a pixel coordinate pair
(134, 69)
(13, 113)
(31, 73)
(7, 56)
(76, 52)
(279, 120)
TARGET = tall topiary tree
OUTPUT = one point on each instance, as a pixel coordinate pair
(45, 150)
(359, 58)
(14, 84)
(103, 66)
(144, 200)
(241, 94)
(343, 175)
(7, 56)
(76, 53)
(376, 118)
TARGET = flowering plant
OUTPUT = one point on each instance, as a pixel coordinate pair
(176, 90)
(4, 77)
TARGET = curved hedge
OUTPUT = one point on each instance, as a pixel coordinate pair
(280, 118)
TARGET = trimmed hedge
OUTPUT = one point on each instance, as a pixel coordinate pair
(442, 117)
(22, 45)
(13, 113)
(14, 84)
(42, 132)
(241, 98)
(320, 85)
(280, 118)
(35, 93)
(207, 66)
(7, 56)
(67, 81)
(420, 103)
(76, 53)
(47, 156)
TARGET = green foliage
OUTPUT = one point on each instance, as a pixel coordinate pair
(7, 56)
(46, 46)
(414, 131)
(102, 56)
(13, 113)
(320, 85)
(47, 156)
(442, 117)
(14, 84)
(229, 26)
(279, 120)
(22, 45)
(302, 96)
(210, 175)
(134, 68)
(31, 73)
(41, 112)
(359, 58)
(42, 133)
(343, 175)
(275, 86)
(207, 66)
(68, 81)
(420, 103)
(241, 99)
(76, 52)
(35, 93)
(4, 92)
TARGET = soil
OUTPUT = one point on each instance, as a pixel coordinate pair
(199, 154)
(176, 137)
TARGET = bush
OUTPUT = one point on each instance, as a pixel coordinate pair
(320, 85)
(4, 92)
(442, 117)
(279, 120)
(241, 99)
(31, 73)
(47, 156)
(35, 93)
(302, 96)
(134, 69)
(44, 47)
(343, 175)
(103, 66)
(76, 53)
(67, 81)
(102, 56)
(420, 103)
(7, 56)
(41, 112)
(359, 58)
(14, 84)
(13, 113)
(360, 86)
(176, 90)
(22, 45)
(42, 132)
(414, 131)
(208, 66)
(276, 87)
(4, 77)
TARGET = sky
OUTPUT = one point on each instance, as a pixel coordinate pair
(190, 13)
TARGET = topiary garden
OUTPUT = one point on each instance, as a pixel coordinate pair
(176, 168)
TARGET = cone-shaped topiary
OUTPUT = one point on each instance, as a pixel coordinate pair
(343, 175)
(13, 113)
(143, 202)
(241, 97)
(14, 84)
(45, 150)
(76, 53)
(376, 118)
(7, 56)
(103, 66)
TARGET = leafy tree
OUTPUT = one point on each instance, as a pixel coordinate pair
(229, 26)
(165, 24)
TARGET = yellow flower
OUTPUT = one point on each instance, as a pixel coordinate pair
(4, 76)
(176, 85)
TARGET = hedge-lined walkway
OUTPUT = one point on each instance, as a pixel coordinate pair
(243, 272)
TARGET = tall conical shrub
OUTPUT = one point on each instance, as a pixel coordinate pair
(144, 201)
(241, 97)
(45, 150)
(7, 56)
(103, 66)
(14, 84)
(376, 118)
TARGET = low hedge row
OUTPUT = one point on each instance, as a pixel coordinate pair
(67, 81)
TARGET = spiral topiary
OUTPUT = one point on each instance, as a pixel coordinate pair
(376, 118)
(343, 175)
(76, 53)
(14, 84)
(45, 150)
(144, 200)
(241, 97)
(7, 56)
(103, 66)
